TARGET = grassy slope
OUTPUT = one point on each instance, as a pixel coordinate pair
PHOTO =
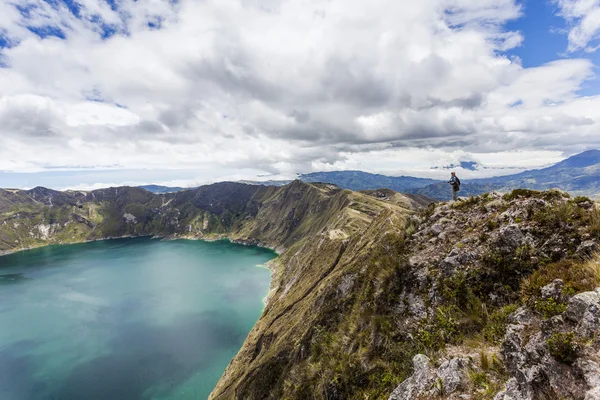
(338, 324)
(327, 237)
(341, 323)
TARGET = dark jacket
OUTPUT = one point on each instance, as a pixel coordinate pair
(455, 182)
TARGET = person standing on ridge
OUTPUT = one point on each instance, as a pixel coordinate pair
(455, 184)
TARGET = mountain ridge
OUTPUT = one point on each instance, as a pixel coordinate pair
(578, 174)
(371, 288)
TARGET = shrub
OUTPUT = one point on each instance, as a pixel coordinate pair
(564, 347)
(557, 216)
(471, 201)
(492, 224)
(549, 307)
(495, 326)
(521, 193)
(410, 228)
(485, 361)
(581, 199)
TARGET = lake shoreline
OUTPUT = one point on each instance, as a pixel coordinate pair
(140, 297)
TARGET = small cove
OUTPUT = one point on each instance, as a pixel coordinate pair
(126, 318)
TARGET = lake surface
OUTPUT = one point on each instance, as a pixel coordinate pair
(126, 319)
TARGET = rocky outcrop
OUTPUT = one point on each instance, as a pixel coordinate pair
(556, 357)
(428, 382)
(365, 286)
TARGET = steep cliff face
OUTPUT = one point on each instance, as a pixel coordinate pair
(370, 298)
(429, 294)
(316, 306)
(331, 241)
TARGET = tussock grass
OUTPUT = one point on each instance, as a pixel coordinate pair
(578, 276)
(595, 221)
(592, 269)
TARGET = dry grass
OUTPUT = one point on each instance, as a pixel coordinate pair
(592, 269)
(578, 276)
(595, 221)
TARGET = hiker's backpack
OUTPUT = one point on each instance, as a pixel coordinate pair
(457, 184)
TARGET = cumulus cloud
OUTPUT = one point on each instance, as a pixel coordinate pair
(279, 86)
(583, 17)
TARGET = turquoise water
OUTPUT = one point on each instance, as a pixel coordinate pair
(125, 319)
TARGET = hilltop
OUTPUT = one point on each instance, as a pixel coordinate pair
(376, 295)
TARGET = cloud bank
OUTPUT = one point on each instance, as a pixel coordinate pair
(281, 86)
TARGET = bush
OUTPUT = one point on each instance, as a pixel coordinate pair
(521, 193)
(495, 326)
(581, 199)
(470, 202)
(549, 307)
(564, 347)
(557, 216)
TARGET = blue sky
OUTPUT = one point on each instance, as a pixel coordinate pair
(545, 39)
(97, 92)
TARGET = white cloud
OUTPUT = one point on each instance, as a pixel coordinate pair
(278, 86)
(584, 19)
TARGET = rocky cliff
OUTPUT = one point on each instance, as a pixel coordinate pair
(490, 297)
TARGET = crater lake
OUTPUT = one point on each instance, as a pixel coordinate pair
(126, 319)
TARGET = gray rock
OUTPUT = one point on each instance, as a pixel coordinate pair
(584, 310)
(591, 372)
(346, 284)
(522, 316)
(511, 236)
(452, 374)
(449, 265)
(592, 394)
(129, 218)
(494, 204)
(436, 229)
(425, 381)
(422, 276)
(416, 384)
(512, 392)
(535, 373)
(553, 290)
(416, 306)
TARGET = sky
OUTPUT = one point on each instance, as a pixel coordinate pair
(97, 93)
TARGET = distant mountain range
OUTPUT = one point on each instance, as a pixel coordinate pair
(579, 175)
(358, 180)
(163, 189)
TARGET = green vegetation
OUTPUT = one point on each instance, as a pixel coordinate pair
(516, 193)
(495, 327)
(466, 203)
(549, 307)
(564, 347)
(579, 200)
(348, 309)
